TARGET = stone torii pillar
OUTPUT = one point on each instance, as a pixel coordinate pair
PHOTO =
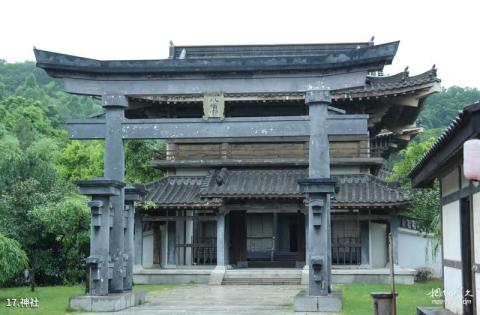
(132, 194)
(318, 187)
(112, 244)
(101, 192)
(114, 168)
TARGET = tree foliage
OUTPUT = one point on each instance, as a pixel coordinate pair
(12, 258)
(439, 110)
(40, 207)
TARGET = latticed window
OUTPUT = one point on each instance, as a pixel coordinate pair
(346, 242)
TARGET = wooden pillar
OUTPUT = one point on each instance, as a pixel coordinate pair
(172, 255)
(393, 219)
(301, 238)
(138, 240)
(180, 236)
(222, 239)
(275, 235)
(365, 241)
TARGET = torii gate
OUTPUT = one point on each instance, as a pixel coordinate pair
(111, 260)
(115, 128)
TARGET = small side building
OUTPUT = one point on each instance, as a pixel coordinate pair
(460, 211)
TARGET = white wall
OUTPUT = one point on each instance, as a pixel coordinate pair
(452, 251)
(476, 242)
(378, 245)
(453, 289)
(147, 258)
(415, 251)
(451, 231)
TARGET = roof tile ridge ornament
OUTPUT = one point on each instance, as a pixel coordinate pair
(221, 176)
(405, 74)
(433, 72)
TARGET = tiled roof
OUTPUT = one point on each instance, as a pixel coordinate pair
(281, 183)
(243, 51)
(382, 85)
(208, 191)
(368, 189)
(179, 192)
(375, 57)
(254, 183)
(374, 86)
(446, 136)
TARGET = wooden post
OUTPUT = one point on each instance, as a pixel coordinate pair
(392, 274)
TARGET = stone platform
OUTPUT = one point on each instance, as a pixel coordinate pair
(108, 303)
(203, 299)
(198, 275)
(202, 275)
(331, 303)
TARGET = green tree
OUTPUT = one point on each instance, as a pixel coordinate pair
(425, 206)
(66, 225)
(12, 258)
(81, 160)
(441, 108)
(29, 179)
(138, 155)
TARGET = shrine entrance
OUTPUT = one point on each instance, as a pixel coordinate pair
(267, 240)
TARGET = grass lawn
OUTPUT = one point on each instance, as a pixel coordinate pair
(356, 298)
(51, 300)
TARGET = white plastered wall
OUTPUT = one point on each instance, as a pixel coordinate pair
(476, 242)
(147, 259)
(451, 231)
(409, 242)
(453, 290)
(452, 251)
(378, 245)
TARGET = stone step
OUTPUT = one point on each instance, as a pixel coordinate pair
(262, 276)
(261, 281)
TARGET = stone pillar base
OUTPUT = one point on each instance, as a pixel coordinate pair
(331, 303)
(107, 303)
(305, 272)
(216, 276)
(300, 264)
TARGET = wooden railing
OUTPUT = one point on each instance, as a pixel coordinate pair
(358, 149)
(203, 253)
(346, 251)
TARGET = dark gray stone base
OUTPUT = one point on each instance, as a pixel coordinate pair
(108, 303)
(331, 303)
(433, 311)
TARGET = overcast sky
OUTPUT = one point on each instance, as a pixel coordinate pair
(445, 33)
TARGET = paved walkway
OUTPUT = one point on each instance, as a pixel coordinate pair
(216, 300)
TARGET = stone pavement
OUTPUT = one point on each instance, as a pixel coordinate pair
(218, 300)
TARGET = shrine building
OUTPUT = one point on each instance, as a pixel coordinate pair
(238, 145)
